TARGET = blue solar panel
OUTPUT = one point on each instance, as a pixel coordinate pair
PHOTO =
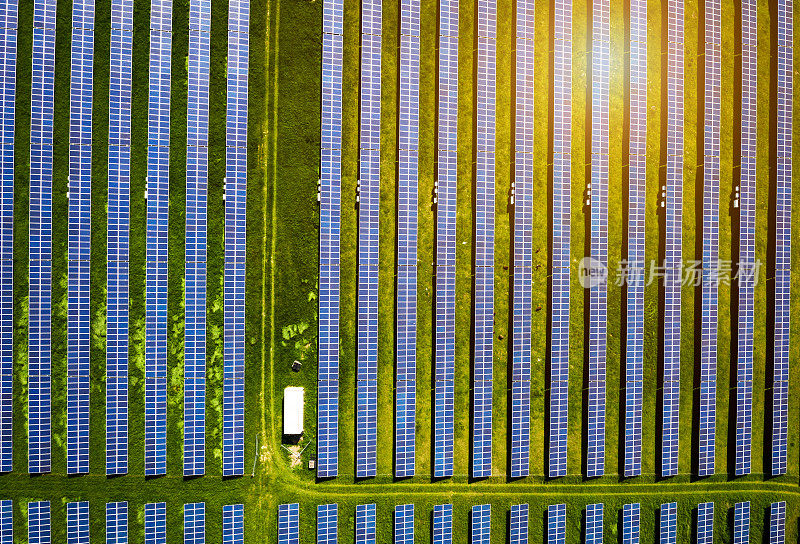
(777, 523)
(367, 421)
(155, 523)
(560, 258)
(39, 522)
(79, 240)
(78, 522)
(673, 206)
(556, 523)
(668, 523)
(157, 237)
(327, 523)
(233, 523)
(40, 235)
(518, 524)
(481, 523)
(443, 524)
(594, 524)
(289, 523)
(365, 524)
(705, 523)
(117, 523)
(630, 523)
(8, 75)
(783, 235)
(6, 522)
(404, 524)
(236, 236)
(194, 523)
(741, 523)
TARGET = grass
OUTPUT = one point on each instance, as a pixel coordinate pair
(282, 279)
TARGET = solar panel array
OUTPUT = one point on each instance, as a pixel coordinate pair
(783, 236)
(368, 229)
(747, 243)
(327, 523)
(40, 234)
(235, 236)
(155, 440)
(39, 522)
(705, 523)
(669, 523)
(556, 523)
(155, 523)
(194, 523)
(289, 523)
(8, 92)
(407, 148)
(672, 276)
(560, 258)
(741, 523)
(365, 524)
(6, 522)
(404, 524)
(777, 523)
(481, 523)
(78, 523)
(329, 228)
(443, 524)
(194, 378)
(233, 524)
(598, 190)
(446, 211)
(630, 523)
(79, 192)
(708, 324)
(118, 246)
(523, 242)
(518, 524)
(117, 523)
(594, 524)
(483, 301)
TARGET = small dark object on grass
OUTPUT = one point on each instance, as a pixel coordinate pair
(539, 307)
(296, 366)
(500, 336)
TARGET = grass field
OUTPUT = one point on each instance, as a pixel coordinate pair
(282, 279)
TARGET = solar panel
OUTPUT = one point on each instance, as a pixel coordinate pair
(6, 522)
(8, 75)
(518, 524)
(446, 195)
(637, 180)
(481, 523)
(594, 524)
(194, 523)
(365, 524)
(560, 258)
(777, 523)
(669, 523)
(39, 522)
(556, 523)
(236, 237)
(327, 523)
(630, 523)
(404, 524)
(117, 523)
(233, 521)
(783, 234)
(40, 235)
(155, 523)
(673, 206)
(705, 523)
(289, 523)
(443, 524)
(747, 212)
(78, 522)
(741, 522)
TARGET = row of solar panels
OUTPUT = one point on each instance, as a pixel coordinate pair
(116, 523)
